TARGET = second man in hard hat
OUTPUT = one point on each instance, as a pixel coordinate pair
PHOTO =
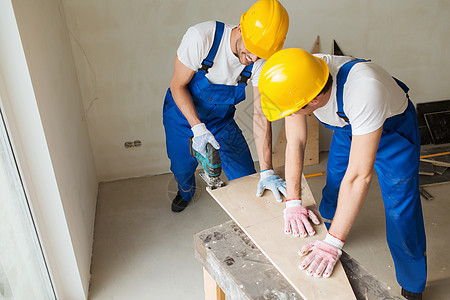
(214, 63)
(375, 126)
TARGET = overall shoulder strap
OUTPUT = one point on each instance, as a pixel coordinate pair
(340, 81)
(245, 74)
(404, 87)
(209, 60)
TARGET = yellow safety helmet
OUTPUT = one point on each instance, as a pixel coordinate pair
(289, 80)
(264, 27)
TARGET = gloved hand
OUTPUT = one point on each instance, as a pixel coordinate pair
(202, 137)
(322, 256)
(296, 219)
(272, 182)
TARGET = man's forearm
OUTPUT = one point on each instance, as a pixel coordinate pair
(356, 181)
(183, 99)
(293, 170)
(296, 135)
(262, 135)
(352, 193)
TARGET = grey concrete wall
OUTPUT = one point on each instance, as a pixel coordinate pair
(124, 53)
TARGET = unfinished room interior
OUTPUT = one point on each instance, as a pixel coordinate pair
(90, 139)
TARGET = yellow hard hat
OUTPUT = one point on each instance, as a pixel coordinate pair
(264, 27)
(289, 80)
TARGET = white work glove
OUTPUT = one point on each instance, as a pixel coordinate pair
(321, 256)
(296, 219)
(202, 137)
(272, 182)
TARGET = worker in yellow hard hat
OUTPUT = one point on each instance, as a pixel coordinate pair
(214, 63)
(375, 126)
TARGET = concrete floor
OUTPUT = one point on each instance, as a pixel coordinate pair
(144, 251)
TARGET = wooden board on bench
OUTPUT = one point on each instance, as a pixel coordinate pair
(262, 220)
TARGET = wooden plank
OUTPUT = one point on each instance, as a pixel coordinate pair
(437, 155)
(316, 46)
(443, 160)
(212, 290)
(279, 149)
(426, 168)
(440, 170)
(312, 143)
(425, 194)
(436, 179)
(262, 220)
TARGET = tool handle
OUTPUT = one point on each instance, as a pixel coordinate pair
(191, 149)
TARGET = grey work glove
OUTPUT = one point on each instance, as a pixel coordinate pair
(202, 137)
(272, 182)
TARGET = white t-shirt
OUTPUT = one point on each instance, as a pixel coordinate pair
(370, 96)
(226, 69)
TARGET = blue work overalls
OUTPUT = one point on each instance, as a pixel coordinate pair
(215, 105)
(397, 166)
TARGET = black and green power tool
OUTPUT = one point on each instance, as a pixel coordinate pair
(211, 165)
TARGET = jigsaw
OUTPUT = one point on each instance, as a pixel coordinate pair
(211, 165)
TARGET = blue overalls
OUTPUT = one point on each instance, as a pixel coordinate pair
(397, 166)
(215, 106)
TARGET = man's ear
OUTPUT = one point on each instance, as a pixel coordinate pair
(239, 27)
(314, 102)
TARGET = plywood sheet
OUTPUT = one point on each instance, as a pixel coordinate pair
(262, 220)
(316, 46)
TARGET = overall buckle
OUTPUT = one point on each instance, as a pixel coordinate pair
(342, 115)
(206, 64)
(244, 76)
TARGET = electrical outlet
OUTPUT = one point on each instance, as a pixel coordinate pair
(136, 143)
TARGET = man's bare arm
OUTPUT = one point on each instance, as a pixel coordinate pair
(355, 183)
(262, 133)
(296, 135)
(182, 75)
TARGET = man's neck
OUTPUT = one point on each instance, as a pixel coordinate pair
(233, 40)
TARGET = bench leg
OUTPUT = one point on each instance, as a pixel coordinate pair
(212, 290)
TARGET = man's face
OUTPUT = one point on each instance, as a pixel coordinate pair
(319, 101)
(245, 57)
(306, 110)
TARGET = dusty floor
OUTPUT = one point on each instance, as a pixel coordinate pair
(144, 251)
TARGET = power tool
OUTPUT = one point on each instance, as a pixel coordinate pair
(211, 165)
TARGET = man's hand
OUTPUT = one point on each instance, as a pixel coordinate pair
(321, 256)
(296, 219)
(202, 137)
(272, 182)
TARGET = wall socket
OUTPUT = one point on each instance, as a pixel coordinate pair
(136, 143)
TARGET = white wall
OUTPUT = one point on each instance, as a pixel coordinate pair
(124, 53)
(43, 108)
